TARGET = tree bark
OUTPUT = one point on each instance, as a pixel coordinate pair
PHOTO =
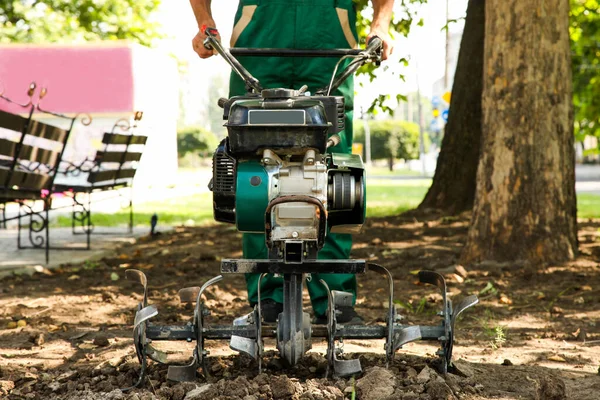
(525, 206)
(453, 186)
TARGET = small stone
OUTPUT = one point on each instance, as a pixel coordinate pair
(250, 397)
(101, 340)
(54, 386)
(312, 369)
(507, 362)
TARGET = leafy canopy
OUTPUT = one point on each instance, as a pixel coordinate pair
(585, 48)
(67, 21)
(404, 16)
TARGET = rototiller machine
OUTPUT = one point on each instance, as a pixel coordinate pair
(273, 174)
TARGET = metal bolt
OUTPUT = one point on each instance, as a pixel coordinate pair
(189, 340)
(294, 234)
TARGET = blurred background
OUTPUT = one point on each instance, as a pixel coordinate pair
(110, 58)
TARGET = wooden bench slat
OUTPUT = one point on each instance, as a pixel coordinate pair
(42, 130)
(117, 156)
(24, 180)
(7, 147)
(29, 153)
(12, 122)
(117, 138)
(110, 175)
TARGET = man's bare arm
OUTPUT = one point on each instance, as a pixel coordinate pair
(203, 14)
(382, 16)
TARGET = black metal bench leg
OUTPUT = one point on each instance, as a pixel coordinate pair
(47, 207)
(89, 219)
(19, 228)
(73, 215)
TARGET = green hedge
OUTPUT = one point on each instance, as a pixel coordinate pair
(391, 139)
(196, 140)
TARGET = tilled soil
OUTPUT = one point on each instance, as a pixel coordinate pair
(66, 333)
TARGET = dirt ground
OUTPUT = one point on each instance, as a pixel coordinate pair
(66, 333)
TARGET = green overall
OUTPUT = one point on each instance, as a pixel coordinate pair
(297, 24)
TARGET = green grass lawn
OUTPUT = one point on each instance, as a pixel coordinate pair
(384, 198)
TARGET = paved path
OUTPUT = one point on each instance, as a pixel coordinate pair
(26, 261)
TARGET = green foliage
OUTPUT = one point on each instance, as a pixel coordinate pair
(400, 25)
(585, 48)
(194, 139)
(67, 21)
(390, 139)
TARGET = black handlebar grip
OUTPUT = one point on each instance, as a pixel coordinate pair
(375, 45)
(221, 102)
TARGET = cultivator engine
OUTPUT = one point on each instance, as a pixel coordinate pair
(273, 174)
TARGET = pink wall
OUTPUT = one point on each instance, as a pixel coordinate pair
(81, 78)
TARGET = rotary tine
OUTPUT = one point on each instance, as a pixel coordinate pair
(341, 368)
(390, 342)
(187, 373)
(445, 352)
(143, 313)
(462, 305)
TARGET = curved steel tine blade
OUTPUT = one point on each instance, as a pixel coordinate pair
(390, 340)
(189, 294)
(330, 327)
(156, 355)
(144, 315)
(183, 373)
(406, 335)
(244, 345)
(435, 278)
(206, 285)
(139, 276)
(342, 299)
(258, 322)
(136, 275)
(343, 368)
(462, 305)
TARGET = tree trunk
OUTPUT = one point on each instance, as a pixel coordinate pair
(525, 206)
(453, 186)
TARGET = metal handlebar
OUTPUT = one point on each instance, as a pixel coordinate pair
(371, 53)
(212, 43)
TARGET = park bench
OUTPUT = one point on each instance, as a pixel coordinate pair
(111, 169)
(30, 154)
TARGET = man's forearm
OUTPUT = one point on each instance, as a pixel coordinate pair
(202, 10)
(382, 14)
